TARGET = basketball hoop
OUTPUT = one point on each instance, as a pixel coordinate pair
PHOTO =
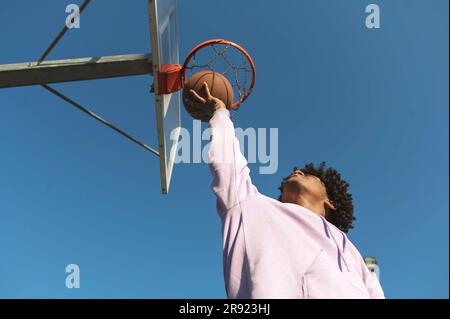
(219, 56)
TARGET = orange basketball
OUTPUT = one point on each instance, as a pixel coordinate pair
(218, 85)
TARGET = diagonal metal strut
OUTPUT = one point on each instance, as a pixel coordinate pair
(60, 35)
(98, 118)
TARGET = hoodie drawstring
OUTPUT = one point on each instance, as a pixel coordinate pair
(341, 256)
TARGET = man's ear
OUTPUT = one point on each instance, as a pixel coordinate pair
(329, 204)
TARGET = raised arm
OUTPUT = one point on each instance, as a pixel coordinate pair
(231, 176)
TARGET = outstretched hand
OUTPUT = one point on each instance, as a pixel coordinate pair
(204, 107)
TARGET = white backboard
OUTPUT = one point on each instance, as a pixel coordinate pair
(165, 50)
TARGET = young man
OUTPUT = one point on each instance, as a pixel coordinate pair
(294, 247)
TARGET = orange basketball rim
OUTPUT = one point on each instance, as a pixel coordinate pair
(172, 77)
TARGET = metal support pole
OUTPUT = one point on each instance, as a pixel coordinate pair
(57, 71)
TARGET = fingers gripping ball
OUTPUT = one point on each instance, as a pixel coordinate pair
(219, 87)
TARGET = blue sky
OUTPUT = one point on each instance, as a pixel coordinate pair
(371, 103)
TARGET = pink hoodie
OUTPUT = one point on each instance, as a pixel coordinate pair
(273, 249)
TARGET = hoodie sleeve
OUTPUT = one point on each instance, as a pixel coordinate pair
(372, 283)
(231, 176)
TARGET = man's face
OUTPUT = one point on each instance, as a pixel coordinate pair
(304, 185)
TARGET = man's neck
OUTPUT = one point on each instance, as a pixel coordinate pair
(314, 206)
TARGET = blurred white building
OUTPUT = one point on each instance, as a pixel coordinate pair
(372, 264)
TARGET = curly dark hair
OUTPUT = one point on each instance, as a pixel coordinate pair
(337, 192)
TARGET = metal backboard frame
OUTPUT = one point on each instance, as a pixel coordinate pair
(165, 50)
